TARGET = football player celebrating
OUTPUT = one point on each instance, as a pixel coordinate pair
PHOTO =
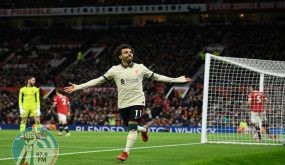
(128, 77)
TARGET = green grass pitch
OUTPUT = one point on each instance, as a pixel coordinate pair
(101, 148)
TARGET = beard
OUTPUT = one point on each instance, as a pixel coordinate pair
(129, 60)
(32, 84)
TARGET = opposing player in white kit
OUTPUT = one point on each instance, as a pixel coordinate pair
(128, 77)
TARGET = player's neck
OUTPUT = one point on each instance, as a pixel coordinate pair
(125, 65)
(29, 85)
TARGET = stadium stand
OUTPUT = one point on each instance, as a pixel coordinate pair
(161, 47)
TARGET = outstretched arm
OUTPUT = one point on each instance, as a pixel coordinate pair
(73, 87)
(181, 79)
(157, 77)
(107, 77)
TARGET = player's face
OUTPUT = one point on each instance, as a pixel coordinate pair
(32, 81)
(126, 55)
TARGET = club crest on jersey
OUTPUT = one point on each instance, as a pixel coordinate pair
(137, 72)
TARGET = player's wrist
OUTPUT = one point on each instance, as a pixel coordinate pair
(77, 87)
(180, 79)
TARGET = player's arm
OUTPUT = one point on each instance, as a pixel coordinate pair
(73, 87)
(106, 77)
(157, 77)
(161, 78)
(91, 83)
(21, 101)
(38, 101)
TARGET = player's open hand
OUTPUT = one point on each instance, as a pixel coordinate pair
(188, 79)
(71, 88)
(185, 79)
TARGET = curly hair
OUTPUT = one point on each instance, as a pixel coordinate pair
(118, 50)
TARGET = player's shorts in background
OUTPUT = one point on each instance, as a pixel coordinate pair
(61, 118)
(257, 117)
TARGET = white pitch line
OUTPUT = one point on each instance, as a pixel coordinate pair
(81, 147)
(118, 149)
(4, 145)
(136, 148)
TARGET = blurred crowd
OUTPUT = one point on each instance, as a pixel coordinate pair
(177, 45)
(98, 106)
(170, 50)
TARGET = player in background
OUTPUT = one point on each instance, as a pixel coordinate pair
(128, 77)
(29, 105)
(62, 105)
(243, 127)
(258, 104)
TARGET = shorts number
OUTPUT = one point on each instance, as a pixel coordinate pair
(138, 112)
